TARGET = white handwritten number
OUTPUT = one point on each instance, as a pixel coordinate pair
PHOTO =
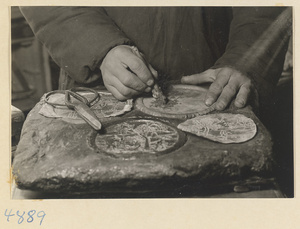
(20, 217)
(30, 214)
(8, 214)
(42, 215)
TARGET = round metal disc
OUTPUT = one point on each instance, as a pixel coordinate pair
(185, 101)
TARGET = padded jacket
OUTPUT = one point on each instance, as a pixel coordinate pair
(177, 41)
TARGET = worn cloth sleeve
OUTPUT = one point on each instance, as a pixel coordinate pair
(78, 38)
(257, 44)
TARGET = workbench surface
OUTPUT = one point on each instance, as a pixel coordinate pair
(60, 157)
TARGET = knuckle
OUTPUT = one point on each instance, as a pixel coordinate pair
(145, 74)
(117, 51)
(225, 97)
(136, 64)
(127, 81)
(222, 75)
(145, 77)
(224, 72)
(216, 87)
(141, 70)
(127, 93)
(133, 83)
(230, 89)
(137, 86)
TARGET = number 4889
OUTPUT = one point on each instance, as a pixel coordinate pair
(29, 217)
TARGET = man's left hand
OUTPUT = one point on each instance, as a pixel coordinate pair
(226, 84)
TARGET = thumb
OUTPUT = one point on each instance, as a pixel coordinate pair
(153, 71)
(142, 56)
(208, 76)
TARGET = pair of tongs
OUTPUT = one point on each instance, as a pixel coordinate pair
(81, 104)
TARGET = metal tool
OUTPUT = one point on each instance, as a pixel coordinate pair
(81, 104)
(157, 92)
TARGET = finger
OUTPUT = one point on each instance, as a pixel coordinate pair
(242, 96)
(128, 78)
(217, 86)
(125, 91)
(135, 50)
(142, 56)
(153, 71)
(115, 93)
(205, 77)
(138, 66)
(227, 95)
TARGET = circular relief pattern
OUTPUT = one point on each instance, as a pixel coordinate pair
(184, 101)
(138, 136)
(222, 127)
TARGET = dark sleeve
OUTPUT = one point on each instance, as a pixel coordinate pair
(77, 38)
(257, 44)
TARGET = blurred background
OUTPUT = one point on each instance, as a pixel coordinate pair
(33, 72)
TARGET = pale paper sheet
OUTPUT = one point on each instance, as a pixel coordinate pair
(224, 128)
(106, 106)
(142, 213)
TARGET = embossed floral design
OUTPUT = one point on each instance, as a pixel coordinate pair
(137, 136)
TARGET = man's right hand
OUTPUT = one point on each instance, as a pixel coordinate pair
(126, 74)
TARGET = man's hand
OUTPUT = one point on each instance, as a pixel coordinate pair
(226, 84)
(126, 74)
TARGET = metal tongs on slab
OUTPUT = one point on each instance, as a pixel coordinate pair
(79, 103)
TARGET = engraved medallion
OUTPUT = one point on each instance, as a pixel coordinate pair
(138, 136)
(184, 101)
(222, 127)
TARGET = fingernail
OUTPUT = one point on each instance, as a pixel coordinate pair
(239, 103)
(148, 89)
(220, 106)
(209, 101)
(150, 82)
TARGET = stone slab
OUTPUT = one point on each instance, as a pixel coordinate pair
(64, 157)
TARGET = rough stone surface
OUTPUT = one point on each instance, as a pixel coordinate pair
(61, 157)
